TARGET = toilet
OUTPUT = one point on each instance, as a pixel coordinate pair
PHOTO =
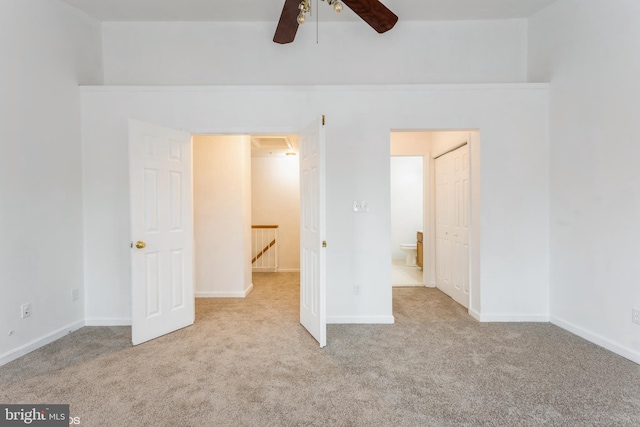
(411, 251)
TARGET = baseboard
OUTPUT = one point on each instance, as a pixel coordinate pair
(618, 349)
(107, 321)
(39, 342)
(360, 319)
(475, 314)
(248, 290)
(242, 294)
(537, 318)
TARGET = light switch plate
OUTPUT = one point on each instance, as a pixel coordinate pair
(360, 206)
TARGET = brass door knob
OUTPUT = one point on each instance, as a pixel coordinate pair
(140, 244)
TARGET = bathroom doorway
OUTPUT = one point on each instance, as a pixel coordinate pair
(407, 214)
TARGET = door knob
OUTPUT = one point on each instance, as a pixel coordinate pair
(140, 244)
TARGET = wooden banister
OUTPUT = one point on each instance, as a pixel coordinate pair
(266, 248)
(264, 226)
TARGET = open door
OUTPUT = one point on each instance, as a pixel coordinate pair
(160, 175)
(452, 224)
(313, 313)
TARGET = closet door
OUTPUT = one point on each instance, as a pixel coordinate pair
(452, 224)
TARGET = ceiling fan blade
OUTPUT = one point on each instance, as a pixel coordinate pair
(373, 13)
(288, 24)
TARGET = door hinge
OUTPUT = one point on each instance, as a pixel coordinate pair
(323, 120)
(324, 243)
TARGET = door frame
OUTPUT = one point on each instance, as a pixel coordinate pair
(214, 133)
(474, 143)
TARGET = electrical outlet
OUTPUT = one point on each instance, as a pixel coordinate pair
(356, 289)
(25, 310)
(635, 316)
(75, 294)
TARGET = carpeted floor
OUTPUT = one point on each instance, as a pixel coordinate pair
(248, 362)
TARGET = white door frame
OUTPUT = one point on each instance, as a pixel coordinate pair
(213, 133)
(474, 143)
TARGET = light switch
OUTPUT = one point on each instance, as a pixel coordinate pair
(360, 206)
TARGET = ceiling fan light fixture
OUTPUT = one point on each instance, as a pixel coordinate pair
(337, 6)
(304, 7)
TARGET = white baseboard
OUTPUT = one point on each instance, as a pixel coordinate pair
(360, 319)
(537, 318)
(39, 342)
(248, 290)
(107, 321)
(475, 314)
(242, 294)
(621, 350)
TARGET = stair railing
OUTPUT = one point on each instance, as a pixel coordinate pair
(264, 247)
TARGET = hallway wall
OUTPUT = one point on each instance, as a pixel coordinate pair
(275, 200)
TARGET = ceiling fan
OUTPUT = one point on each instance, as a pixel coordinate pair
(374, 13)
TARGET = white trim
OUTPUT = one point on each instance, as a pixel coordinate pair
(475, 314)
(248, 290)
(225, 294)
(311, 88)
(360, 319)
(597, 339)
(108, 321)
(538, 318)
(40, 342)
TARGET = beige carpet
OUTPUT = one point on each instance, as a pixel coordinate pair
(249, 363)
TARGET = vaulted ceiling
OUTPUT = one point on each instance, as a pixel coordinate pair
(269, 10)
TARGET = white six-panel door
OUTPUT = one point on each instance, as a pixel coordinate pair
(312, 232)
(452, 224)
(160, 177)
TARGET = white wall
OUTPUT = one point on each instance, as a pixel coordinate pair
(515, 189)
(347, 53)
(275, 200)
(588, 49)
(222, 215)
(46, 49)
(407, 201)
(443, 142)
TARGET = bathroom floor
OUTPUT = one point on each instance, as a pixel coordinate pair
(404, 275)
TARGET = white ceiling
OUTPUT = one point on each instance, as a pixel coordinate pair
(269, 10)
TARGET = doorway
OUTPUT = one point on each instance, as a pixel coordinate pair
(407, 219)
(449, 260)
(225, 218)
